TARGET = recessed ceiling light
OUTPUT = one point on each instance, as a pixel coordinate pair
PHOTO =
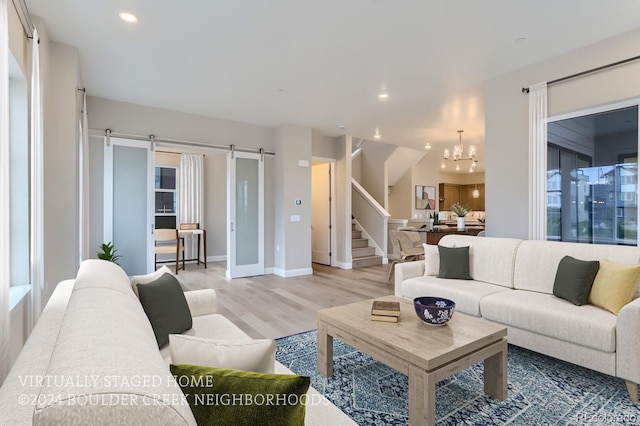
(427, 146)
(128, 17)
(521, 40)
(341, 127)
(383, 96)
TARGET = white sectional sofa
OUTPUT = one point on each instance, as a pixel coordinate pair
(513, 284)
(93, 340)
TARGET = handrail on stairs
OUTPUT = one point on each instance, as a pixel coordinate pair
(372, 217)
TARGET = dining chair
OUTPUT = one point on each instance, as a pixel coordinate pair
(167, 241)
(404, 249)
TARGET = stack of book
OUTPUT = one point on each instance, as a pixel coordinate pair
(385, 311)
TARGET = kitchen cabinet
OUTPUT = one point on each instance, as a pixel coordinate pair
(451, 193)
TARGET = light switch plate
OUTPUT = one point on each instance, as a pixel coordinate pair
(295, 218)
(303, 163)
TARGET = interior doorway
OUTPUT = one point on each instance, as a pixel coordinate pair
(323, 212)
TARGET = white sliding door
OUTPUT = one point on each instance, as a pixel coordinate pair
(245, 215)
(128, 202)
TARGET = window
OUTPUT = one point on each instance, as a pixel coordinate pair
(166, 197)
(19, 176)
(592, 178)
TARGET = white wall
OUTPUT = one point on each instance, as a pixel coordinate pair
(61, 114)
(462, 178)
(373, 170)
(401, 197)
(424, 173)
(343, 202)
(293, 181)
(506, 121)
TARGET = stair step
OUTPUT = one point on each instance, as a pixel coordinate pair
(361, 262)
(353, 226)
(363, 251)
(356, 234)
(359, 242)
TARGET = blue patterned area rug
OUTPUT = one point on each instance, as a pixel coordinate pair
(542, 390)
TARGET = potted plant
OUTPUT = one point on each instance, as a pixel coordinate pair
(108, 253)
(460, 211)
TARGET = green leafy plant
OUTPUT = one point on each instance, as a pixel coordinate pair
(460, 210)
(108, 253)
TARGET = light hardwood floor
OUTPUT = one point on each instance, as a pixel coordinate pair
(270, 306)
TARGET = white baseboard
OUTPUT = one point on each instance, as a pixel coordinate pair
(292, 272)
(221, 258)
(344, 265)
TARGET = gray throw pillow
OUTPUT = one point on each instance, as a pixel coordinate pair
(574, 279)
(454, 263)
(166, 307)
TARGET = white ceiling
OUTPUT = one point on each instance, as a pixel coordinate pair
(322, 63)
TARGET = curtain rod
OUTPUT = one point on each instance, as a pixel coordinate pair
(179, 142)
(25, 17)
(592, 70)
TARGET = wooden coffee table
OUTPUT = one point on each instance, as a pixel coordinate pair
(426, 354)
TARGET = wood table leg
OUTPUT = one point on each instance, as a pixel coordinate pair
(325, 351)
(204, 246)
(495, 374)
(422, 397)
(632, 388)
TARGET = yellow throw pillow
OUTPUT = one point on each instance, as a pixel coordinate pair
(614, 286)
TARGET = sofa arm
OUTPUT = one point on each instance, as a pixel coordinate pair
(407, 270)
(628, 342)
(202, 302)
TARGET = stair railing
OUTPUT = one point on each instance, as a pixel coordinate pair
(371, 216)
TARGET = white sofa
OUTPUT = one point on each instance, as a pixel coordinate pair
(97, 353)
(513, 284)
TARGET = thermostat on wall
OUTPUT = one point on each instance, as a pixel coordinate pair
(298, 202)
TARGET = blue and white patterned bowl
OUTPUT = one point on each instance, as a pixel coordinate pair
(434, 310)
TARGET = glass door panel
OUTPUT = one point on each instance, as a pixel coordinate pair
(245, 227)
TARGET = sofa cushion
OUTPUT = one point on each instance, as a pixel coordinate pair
(431, 259)
(166, 307)
(614, 286)
(466, 293)
(96, 273)
(454, 263)
(490, 259)
(220, 396)
(553, 317)
(574, 279)
(146, 279)
(214, 326)
(537, 261)
(244, 354)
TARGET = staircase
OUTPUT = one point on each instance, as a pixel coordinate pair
(361, 254)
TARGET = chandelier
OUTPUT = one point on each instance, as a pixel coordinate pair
(459, 155)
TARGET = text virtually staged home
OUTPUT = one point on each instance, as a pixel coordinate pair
(363, 212)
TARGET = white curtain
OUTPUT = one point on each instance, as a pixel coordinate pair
(37, 185)
(191, 196)
(5, 225)
(538, 161)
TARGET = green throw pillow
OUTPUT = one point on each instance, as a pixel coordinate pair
(574, 279)
(454, 263)
(166, 307)
(220, 396)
